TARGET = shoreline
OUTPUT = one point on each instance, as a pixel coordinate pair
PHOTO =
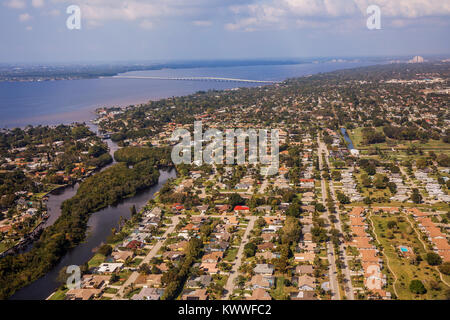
(158, 89)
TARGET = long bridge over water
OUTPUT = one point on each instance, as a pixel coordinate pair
(198, 79)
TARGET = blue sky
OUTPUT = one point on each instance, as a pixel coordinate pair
(113, 30)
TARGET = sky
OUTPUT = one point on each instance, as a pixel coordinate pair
(153, 30)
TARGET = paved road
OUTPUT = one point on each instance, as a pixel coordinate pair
(132, 278)
(334, 285)
(346, 270)
(264, 185)
(234, 271)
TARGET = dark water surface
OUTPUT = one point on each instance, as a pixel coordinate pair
(100, 225)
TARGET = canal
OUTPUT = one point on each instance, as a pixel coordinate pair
(99, 228)
(347, 139)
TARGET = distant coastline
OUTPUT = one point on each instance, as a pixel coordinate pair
(64, 102)
(40, 73)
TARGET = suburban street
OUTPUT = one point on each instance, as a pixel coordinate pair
(132, 278)
(334, 285)
(346, 271)
(234, 271)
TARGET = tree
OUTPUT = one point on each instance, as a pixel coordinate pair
(343, 198)
(249, 249)
(105, 250)
(336, 175)
(319, 207)
(416, 197)
(445, 268)
(133, 210)
(417, 287)
(260, 222)
(235, 200)
(392, 224)
(366, 182)
(433, 259)
(114, 278)
(294, 210)
(380, 181)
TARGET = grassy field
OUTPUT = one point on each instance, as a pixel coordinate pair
(96, 260)
(432, 145)
(404, 268)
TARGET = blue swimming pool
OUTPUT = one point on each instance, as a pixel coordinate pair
(403, 249)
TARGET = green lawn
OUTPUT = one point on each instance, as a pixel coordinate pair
(231, 254)
(401, 266)
(96, 260)
(59, 295)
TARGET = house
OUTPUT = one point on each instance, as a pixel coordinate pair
(122, 256)
(109, 267)
(306, 283)
(370, 256)
(199, 294)
(305, 257)
(266, 246)
(94, 281)
(223, 208)
(268, 236)
(134, 244)
(212, 257)
(148, 294)
(262, 281)
(82, 294)
(172, 256)
(177, 207)
(178, 246)
(357, 222)
(260, 294)
(304, 269)
(265, 269)
(150, 280)
(307, 238)
(241, 209)
(303, 295)
(211, 268)
(199, 282)
(267, 255)
(264, 209)
(203, 209)
(242, 186)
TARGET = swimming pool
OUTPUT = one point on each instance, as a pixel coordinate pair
(403, 249)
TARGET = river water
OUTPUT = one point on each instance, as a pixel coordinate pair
(100, 225)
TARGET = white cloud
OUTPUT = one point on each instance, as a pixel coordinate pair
(253, 15)
(202, 23)
(24, 17)
(37, 3)
(29, 28)
(280, 13)
(15, 4)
